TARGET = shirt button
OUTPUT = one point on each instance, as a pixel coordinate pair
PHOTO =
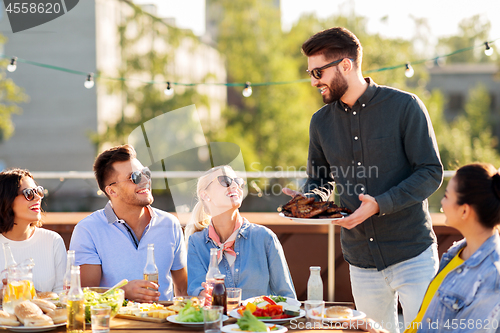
(359, 163)
(236, 269)
(362, 189)
(345, 110)
(428, 320)
(362, 105)
(455, 306)
(354, 113)
(239, 236)
(355, 138)
(237, 253)
(371, 239)
(459, 270)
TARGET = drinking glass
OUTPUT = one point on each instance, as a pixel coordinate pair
(212, 319)
(100, 317)
(233, 298)
(314, 313)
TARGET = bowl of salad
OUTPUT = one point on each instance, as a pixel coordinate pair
(94, 295)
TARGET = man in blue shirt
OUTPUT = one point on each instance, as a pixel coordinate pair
(111, 243)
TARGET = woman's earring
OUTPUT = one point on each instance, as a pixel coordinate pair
(208, 199)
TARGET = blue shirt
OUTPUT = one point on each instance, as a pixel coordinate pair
(468, 299)
(260, 267)
(103, 239)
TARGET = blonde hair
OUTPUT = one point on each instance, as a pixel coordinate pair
(200, 217)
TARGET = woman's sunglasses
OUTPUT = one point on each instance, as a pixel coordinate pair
(136, 176)
(226, 181)
(29, 193)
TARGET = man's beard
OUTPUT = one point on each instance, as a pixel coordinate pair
(336, 89)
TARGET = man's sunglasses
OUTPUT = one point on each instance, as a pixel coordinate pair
(136, 176)
(29, 193)
(317, 72)
(226, 181)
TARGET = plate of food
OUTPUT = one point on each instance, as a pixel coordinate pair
(270, 309)
(306, 210)
(335, 314)
(175, 319)
(316, 220)
(272, 328)
(28, 329)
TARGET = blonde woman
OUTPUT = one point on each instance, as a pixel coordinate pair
(250, 255)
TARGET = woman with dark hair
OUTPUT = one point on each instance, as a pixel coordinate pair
(465, 294)
(20, 222)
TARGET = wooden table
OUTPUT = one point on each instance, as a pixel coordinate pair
(120, 325)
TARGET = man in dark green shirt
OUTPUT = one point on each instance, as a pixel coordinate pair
(378, 145)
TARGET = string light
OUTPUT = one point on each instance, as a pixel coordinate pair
(409, 71)
(489, 50)
(13, 65)
(247, 91)
(168, 91)
(89, 83)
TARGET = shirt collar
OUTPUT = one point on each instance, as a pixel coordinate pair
(490, 245)
(112, 218)
(364, 99)
(244, 230)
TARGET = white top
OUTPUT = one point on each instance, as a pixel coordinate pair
(47, 249)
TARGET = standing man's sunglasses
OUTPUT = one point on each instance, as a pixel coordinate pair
(29, 193)
(226, 181)
(136, 176)
(317, 72)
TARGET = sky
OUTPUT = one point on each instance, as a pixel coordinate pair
(443, 15)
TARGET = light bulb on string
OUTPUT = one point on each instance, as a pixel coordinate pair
(247, 91)
(89, 83)
(489, 50)
(168, 90)
(13, 65)
(409, 71)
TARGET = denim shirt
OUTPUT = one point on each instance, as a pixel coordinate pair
(260, 267)
(468, 299)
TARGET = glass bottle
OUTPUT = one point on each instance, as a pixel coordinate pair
(219, 295)
(213, 269)
(70, 261)
(9, 262)
(315, 284)
(150, 270)
(75, 304)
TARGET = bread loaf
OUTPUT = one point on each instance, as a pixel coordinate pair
(38, 320)
(59, 316)
(47, 295)
(8, 319)
(339, 312)
(26, 309)
(43, 304)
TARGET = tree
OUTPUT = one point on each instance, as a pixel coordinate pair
(473, 31)
(10, 96)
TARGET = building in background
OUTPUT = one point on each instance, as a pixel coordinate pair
(456, 80)
(54, 131)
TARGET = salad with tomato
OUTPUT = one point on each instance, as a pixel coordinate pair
(270, 307)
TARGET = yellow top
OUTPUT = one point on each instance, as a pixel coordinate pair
(431, 291)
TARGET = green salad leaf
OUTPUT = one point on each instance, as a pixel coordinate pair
(190, 313)
(248, 322)
(278, 299)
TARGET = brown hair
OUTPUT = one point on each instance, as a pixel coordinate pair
(103, 165)
(10, 182)
(478, 185)
(333, 43)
